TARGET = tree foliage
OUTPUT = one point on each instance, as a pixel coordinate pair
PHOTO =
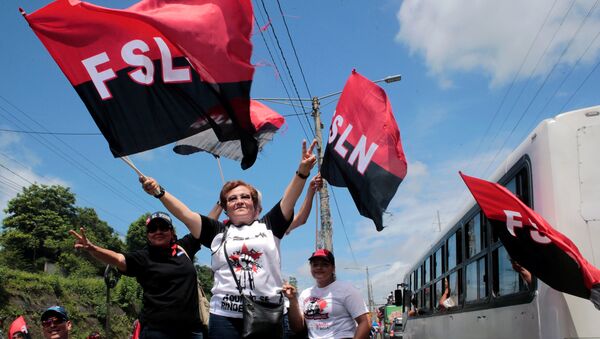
(136, 234)
(205, 275)
(35, 231)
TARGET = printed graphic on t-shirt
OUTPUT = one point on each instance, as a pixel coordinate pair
(246, 261)
(316, 308)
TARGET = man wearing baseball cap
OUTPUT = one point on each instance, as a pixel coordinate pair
(166, 272)
(56, 323)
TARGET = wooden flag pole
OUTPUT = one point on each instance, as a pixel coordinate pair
(137, 171)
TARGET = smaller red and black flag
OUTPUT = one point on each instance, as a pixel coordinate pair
(149, 73)
(364, 151)
(265, 120)
(534, 243)
(18, 326)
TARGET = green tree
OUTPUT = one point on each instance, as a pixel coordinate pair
(205, 275)
(36, 226)
(35, 231)
(136, 234)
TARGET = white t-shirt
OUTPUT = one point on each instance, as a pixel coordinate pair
(329, 312)
(255, 255)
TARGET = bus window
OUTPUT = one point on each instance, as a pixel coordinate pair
(437, 258)
(473, 236)
(417, 279)
(455, 288)
(476, 280)
(480, 222)
(451, 252)
(427, 298)
(471, 291)
(427, 270)
(439, 290)
(507, 280)
(482, 277)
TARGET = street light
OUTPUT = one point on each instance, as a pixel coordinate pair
(369, 287)
(325, 240)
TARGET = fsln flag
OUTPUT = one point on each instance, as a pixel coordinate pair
(148, 73)
(534, 243)
(364, 151)
(265, 120)
(18, 325)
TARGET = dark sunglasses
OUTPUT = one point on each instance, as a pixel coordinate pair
(156, 226)
(52, 322)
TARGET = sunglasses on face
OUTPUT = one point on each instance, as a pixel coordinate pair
(157, 226)
(52, 322)
(233, 198)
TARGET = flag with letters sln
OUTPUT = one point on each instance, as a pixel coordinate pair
(150, 73)
(364, 151)
(533, 243)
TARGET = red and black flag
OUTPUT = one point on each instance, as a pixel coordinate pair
(364, 151)
(534, 244)
(148, 74)
(18, 326)
(265, 120)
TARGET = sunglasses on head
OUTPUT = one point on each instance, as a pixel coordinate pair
(52, 322)
(157, 226)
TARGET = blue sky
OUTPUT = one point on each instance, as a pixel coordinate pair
(476, 77)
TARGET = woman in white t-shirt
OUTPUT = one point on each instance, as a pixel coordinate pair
(330, 309)
(252, 244)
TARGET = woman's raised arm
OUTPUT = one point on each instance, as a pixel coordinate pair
(191, 219)
(296, 185)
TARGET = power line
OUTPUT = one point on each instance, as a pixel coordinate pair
(337, 207)
(514, 80)
(284, 60)
(50, 146)
(565, 79)
(542, 84)
(280, 77)
(531, 75)
(47, 133)
(293, 48)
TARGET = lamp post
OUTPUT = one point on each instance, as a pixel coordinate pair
(325, 238)
(369, 286)
(111, 276)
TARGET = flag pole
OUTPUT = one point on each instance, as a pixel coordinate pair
(220, 168)
(137, 171)
(130, 163)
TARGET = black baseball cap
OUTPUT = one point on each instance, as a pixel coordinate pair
(324, 254)
(159, 216)
(56, 311)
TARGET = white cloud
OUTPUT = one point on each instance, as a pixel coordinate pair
(17, 169)
(494, 37)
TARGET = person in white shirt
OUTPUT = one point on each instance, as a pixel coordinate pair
(331, 309)
(253, 256)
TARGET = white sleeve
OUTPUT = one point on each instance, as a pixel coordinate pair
(354, 303)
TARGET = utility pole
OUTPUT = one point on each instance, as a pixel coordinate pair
(369, 291)
(326, 233)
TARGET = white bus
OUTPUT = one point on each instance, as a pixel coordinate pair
(556, 171)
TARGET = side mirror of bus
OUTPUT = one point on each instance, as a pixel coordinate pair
(398, 297)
